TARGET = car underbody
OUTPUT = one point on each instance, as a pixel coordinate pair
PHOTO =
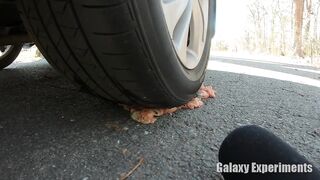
(12, 30)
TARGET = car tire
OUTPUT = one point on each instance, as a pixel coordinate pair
(9, 55)
(121, 50)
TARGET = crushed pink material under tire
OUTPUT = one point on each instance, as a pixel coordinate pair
(150, 115)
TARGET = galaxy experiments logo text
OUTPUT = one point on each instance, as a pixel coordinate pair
(264, 168)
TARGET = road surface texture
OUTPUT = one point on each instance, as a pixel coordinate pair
(49, 129)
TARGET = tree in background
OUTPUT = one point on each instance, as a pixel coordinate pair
(281, 27)
(298, 17)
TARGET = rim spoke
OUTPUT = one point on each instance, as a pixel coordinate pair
(197, 27)
(181, 33)
(181, 44)
(174, 11)
(187, 22)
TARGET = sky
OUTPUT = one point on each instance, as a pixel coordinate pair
(231, 19)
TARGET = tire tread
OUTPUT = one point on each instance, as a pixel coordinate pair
(73, 47)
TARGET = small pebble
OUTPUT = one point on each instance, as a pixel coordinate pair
(317, 131)
(125, 128)
(240, 124)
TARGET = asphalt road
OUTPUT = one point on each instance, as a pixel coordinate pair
(51, 130)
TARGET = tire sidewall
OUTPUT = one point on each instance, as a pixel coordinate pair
(182, 82)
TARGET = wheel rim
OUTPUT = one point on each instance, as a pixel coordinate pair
(6, 49)
(187, 22)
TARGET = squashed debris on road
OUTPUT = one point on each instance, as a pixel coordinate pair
(150, 115)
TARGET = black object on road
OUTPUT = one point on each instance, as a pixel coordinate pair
(249, 144)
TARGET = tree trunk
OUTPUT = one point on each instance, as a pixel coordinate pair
(298, 15)
(308, 19)
(316, 16)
